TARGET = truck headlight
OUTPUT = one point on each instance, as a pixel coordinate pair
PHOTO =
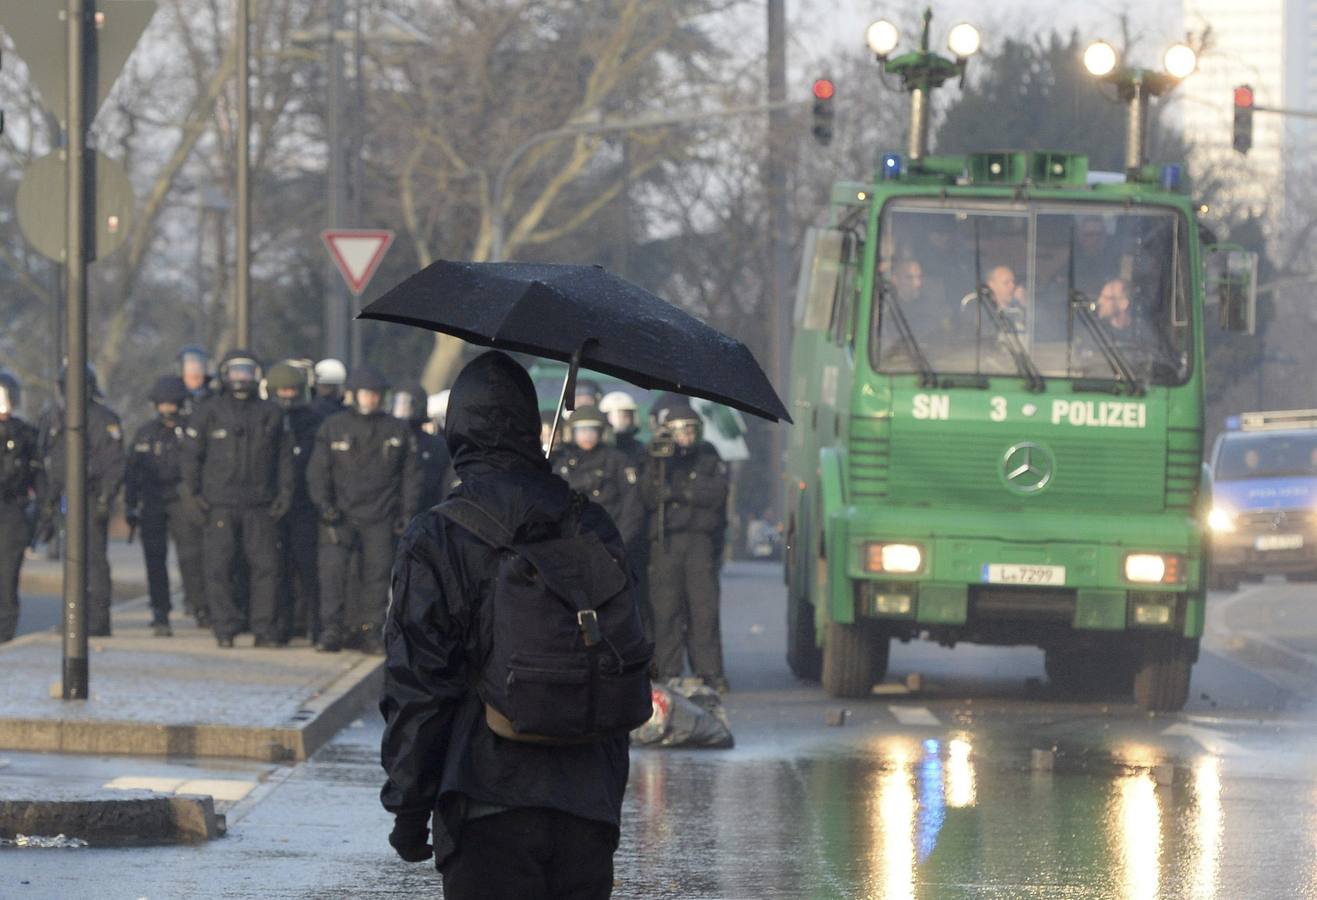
(893, 559)
(1153, 568)
(1220, 520)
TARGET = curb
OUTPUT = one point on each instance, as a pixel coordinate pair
(46, 583)
(115, 822)
(337, 704)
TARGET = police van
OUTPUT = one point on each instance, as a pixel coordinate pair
(1263, 519)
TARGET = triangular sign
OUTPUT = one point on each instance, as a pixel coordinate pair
(357, 252)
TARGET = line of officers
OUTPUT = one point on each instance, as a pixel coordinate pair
(284, 504)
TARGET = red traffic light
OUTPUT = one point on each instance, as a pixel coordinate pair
(1243, 96)
(824, 89)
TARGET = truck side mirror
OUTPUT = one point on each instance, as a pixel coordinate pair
(1231, 273)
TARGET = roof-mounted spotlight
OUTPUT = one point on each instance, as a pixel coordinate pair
(882, 37)
(1100, 59)
(963, 40)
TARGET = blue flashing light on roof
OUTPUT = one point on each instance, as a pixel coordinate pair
(891, 167)
(931, 746)
(1233, 423)
(1171, 176)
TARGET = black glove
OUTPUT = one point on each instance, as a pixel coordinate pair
(408, 836)
(279, 508)
(330, 516)
(399, 526)
(131, 517)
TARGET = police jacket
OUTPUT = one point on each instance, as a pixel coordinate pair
(302, 423)
(633, 449)
(21, 471)
(153, 471)
(438, 753)
(237, 453)
(607, 477)
(433, 461)
(365, 468)
(105, 456)
(686, 492)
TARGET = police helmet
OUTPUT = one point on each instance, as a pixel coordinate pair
(587, 417)
(11, 392)
(680, 416)
(93, 388)
(367, 378)
(193, 352)
(617, 401)
(588, 387)
(331, 372)
(168, 389)
(409, 402)
(284, 375)
(240, 373)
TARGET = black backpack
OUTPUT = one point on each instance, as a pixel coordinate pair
(568, 661)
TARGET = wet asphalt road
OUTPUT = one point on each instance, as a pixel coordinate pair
(921, 794)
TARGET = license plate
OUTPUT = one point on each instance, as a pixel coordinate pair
(1279, 542)
(1002, 573)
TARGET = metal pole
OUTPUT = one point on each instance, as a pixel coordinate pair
(80, 248)
(1137, 101)
(918, 124)
(779, 224)
(336, 300)
(355, 118)
(242, 287)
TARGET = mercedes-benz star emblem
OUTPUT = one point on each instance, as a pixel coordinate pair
(1027, 468)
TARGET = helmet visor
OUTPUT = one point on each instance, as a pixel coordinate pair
(240, 370)
(7, 400)
(404, 406)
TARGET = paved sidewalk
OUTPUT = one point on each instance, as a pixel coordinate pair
(181, 696)
(1271, 625)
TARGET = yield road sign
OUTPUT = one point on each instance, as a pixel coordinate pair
(357, 252)
(41, 39)
(42, 205)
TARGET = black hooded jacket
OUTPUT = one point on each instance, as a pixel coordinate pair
(437, 751)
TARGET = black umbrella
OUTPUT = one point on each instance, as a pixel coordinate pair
(583, 316)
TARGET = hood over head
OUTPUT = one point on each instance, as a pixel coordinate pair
(494, 418)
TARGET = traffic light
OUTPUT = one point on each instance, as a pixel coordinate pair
(824, 90)
(1243, 119)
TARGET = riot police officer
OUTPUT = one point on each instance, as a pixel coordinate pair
(152, 503)
(21, 482)
(602, 473)
(620, 408)
(289, 385)
(685, 488)
(330, 375)
(410, 405)
(105, 468)
(238, 478)
(364, 480)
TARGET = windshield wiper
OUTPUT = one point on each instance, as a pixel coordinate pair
(1011, 338)
(927, 376)
(1082, 304)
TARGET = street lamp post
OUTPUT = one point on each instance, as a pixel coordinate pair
(1134, 86)
(242, 286)
(922, 71)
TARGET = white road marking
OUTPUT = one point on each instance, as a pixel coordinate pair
(229, 789)
(914, 715)
(1209, 740)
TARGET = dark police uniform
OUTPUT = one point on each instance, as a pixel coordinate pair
(21, 478)
(433, 461)
(237, 468)
(105, 471)
(298, 532)
(606, 476)
(151, 494)
(686, 497)
(364, 480)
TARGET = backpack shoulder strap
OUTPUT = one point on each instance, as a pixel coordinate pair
(474, 518)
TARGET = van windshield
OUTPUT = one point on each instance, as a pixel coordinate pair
(1268, 456)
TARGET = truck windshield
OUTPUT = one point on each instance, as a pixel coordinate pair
(1267, 456)
(1093, 291)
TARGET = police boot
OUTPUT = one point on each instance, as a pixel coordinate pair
(371, 643)
(330, 641)
(161, 629)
